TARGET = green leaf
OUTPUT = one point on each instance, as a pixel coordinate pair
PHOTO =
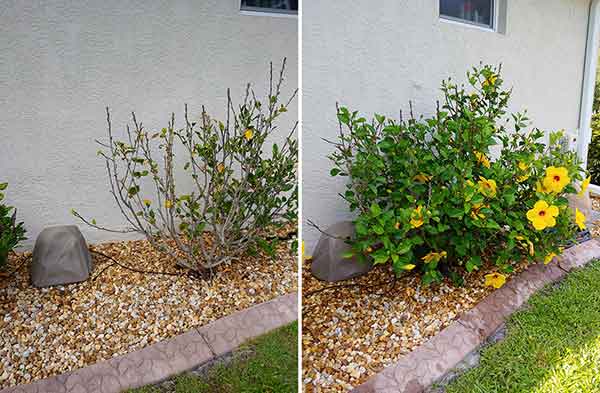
(3, 186)
(375, 209)
(473, 263)
(348, 254)
(455, 213)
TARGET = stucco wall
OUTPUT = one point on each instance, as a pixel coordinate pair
(62, 62)
(376, 57)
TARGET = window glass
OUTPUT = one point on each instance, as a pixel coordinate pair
(286, 6)
(479, 12)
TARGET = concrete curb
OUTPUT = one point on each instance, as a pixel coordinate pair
(418, 370)
(173, 356)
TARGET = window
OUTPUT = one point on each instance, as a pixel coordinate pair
(476, 12)
(276, 6)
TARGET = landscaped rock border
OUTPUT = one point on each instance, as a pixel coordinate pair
(416, 371)
(179, 354)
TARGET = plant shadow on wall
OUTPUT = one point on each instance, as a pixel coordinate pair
(240, 195)
(430, 198)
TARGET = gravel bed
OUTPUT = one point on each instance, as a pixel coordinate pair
(54, 330)
(351, 333)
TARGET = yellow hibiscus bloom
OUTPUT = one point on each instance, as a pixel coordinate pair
(482, 159)
(434, 256)
(168, 204)
(539, 187)
(476, 213)
(548, 258)
(416, 217)
(495, 280)
(491, 81)
(248, 134)
(584, 186)
(487, 187)
(579, 219)
(556, 179)
(528, 243)
(523, 167)
(542, 215)
(422, 178)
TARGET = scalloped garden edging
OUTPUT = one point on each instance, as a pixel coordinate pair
(419, 369)
(170, 357)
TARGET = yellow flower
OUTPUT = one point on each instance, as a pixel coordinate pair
(548, 258)
(482, 159)
(422, 178)
(476, 211)
(556, 178)
(220, 167)
(416, 217)
(470, 182)
(584, 186)
(248, 134)
(410, 266)
(434, 256)
(495, 280)
(529, 244)
(542, 215)
(579, 219)
(397, 225)
(491, 81)
(147, 202)
(168, 204)
(523, 166)
(487, 187)
(539, 187)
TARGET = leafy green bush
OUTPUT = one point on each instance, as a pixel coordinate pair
(233, 192)
(594, 150)
(11, 233)
(429, 196)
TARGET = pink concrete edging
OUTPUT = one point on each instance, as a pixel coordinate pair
(418, 370)
(173, 356)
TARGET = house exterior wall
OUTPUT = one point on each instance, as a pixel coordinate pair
(62, 62)
(375, 58)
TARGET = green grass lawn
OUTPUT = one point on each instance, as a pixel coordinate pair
(552, 346)
(267, 364)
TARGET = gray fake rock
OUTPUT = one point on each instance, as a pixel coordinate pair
(328, 264)
(60, 256)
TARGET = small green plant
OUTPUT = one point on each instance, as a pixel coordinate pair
(428, 195)
(230, 192)
(11, 232)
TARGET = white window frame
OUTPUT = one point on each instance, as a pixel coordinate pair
(463, 22)
(259, 11)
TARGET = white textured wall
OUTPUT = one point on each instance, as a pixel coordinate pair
(376, 56)
(62, 62)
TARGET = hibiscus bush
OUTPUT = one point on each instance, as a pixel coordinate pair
(237, 187)
(471, 184)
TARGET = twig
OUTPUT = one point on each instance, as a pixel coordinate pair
(315, 226)
(115, 262)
